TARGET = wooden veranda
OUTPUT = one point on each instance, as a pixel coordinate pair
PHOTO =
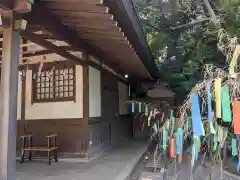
(105, 29)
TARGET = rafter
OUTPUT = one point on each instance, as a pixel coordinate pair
(46, 44)
(43, 17)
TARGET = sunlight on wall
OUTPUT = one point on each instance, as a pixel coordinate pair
(55, 110)
(94, 92)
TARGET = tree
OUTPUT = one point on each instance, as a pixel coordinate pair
(182, 36)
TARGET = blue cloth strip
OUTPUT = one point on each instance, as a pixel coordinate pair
(196, 116)
(238, 167)
(179, 141)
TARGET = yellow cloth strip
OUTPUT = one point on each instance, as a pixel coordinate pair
(149, 118)
(217, 88)
(233, 62)
(220, 134)
(167, 125)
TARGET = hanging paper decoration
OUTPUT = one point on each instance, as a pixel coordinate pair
(226, 108)
(149, 118)
(220, 134)
(236, 116)
(218, 97)
(146, 110)
(172, 122)
(196, 116)
(234, 147)
(212, 130)
(214, 143)
(233, 62)
(179, 141)
(164, 140)
(172, 148)
(238, 167)
(140, 107)
(180, 157)
(167, 124)
(210, 112)
(196, 146)
(193, 155)
(133, 108)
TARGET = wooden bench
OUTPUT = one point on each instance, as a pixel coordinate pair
(50, 148)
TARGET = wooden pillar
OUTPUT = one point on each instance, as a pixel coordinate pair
(85, 89)
(86, 101)
(23, 90)
(8, 103)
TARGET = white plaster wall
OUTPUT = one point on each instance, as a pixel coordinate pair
(55, 110)
(123, 97)
(94, 92)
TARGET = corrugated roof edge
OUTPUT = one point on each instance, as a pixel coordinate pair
(137, 38)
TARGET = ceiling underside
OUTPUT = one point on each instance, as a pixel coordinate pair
(83, 25)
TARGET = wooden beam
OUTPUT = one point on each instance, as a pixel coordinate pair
(4, 22)
(76, 6)
(44, 17)
(121, 39)
(92, 22)
(97, 27)
(46, 44)
(100, 32)
(88, 15)
(44, 52)
(47, 36)
(38, 53)
(23, 6)
(6, 4)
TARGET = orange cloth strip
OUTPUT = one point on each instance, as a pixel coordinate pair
(236, 116)
(172, 148)
(180, 157)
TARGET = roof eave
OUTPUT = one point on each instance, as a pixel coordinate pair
(125, 14)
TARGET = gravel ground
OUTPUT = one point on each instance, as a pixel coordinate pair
(182, 171)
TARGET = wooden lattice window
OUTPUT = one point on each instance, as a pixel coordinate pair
(55, 82)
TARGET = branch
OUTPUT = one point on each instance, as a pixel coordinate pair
(154, 27)
(191, 24)
(213, 16)
(180, 26)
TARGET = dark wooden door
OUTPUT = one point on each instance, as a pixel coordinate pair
(110, 105)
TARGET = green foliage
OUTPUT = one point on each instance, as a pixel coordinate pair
(182, 41)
